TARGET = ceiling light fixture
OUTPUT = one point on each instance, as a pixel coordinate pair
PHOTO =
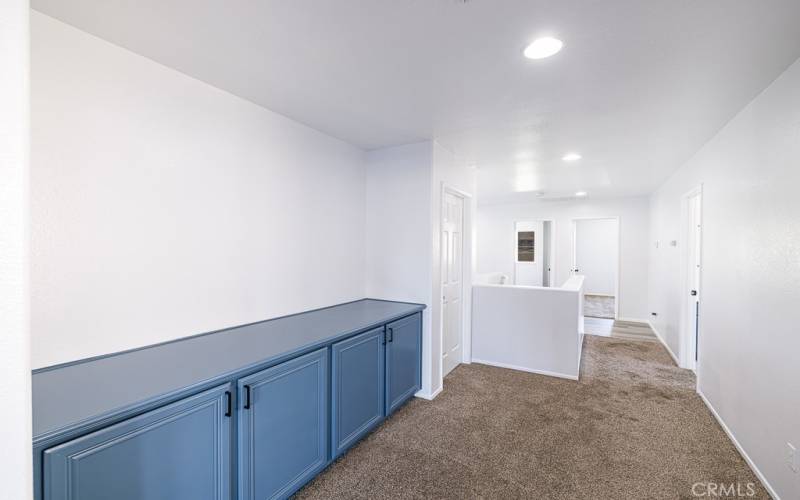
(581, 194)
(572, 157)
(543, 47)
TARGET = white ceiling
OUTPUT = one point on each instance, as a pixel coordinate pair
(639, 86)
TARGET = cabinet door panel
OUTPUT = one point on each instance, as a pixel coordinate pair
(403, 360)
(179, 452)
(357, 367)
(283, 435)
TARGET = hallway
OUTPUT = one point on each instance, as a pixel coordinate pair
(633, 427)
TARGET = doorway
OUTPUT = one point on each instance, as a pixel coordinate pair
(596, 258)
(533, 253)
(691, 256)
(452, 276)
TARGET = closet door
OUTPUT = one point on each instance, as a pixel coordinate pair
(181, 451)
(283, 427)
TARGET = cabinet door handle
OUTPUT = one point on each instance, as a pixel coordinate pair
(247, 397)
(229, 404)
(391, 334)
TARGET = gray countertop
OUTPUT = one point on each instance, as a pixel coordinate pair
(74, 395)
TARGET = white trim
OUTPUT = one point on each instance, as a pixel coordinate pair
(429, 396)
(523, 369)
(738, 446)
(666, 346)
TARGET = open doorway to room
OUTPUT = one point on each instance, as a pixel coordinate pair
(596, 257)
(534, 253)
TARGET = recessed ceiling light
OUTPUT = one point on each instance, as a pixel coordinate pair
(580, 194)
(572, 157)
(543, 47)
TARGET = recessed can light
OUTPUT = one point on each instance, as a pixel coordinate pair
(543, 47)
(572, 157)
(581, 194)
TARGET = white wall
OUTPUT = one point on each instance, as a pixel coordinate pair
(163, 207)
(596, 254)
(495, 225)
(15, 391)
(749, 342)
(534, 329)
(399, 261)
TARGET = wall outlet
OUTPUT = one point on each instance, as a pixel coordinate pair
(792, 458)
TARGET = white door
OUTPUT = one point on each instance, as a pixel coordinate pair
(528, 268)
(452, 276)
(694, 240)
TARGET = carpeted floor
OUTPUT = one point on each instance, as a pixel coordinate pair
(598, 306)
(632, 428)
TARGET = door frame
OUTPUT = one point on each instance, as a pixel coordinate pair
(552, 248)
(688, 344)
(618, 219)
(466, 278)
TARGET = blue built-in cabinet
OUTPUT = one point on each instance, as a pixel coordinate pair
(283, 426)
(357, 387)
(182, 450)
(403, 351)
(252, 412)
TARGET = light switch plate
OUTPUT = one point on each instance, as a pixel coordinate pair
(792, 459)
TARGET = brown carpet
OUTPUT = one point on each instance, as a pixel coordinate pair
(632, 428)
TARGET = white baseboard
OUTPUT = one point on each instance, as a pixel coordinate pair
(664, 343)
(429, 395)
(524, 369)
(633, 320)
(738, 446)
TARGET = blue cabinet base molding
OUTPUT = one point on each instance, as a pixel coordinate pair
(251, 412)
